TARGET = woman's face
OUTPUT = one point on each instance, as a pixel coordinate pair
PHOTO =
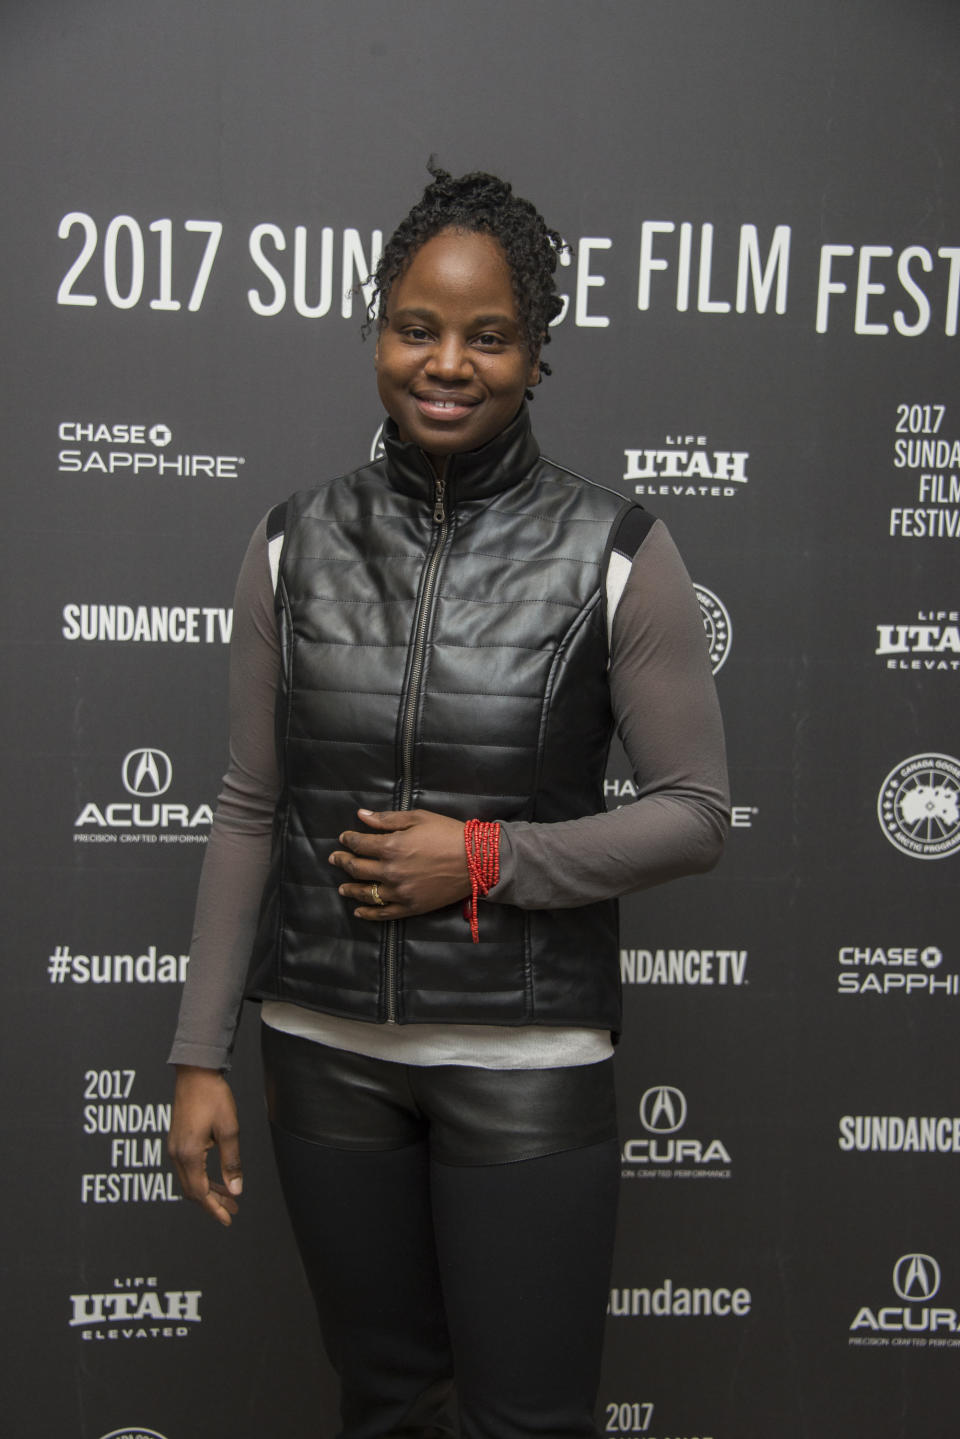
(452, 361)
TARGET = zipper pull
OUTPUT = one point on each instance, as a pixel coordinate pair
(438, 511)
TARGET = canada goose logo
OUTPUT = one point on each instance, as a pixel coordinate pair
(716, 623)
(919, 806)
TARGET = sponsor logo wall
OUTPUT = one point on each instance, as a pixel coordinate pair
(758, 343)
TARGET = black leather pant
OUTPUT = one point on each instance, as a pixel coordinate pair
(445, 1232)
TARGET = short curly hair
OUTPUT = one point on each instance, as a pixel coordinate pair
(486, 205)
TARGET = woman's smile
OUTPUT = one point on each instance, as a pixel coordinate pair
(444, 408)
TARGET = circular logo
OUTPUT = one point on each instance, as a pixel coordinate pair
(160, 435)
(931, 957)
(663, 1110)
(716, 622)
(377, 451)
(147, 772)
(919, 806)
(916, 1276)
(135, 1433)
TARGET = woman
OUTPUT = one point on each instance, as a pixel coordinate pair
(429, 657)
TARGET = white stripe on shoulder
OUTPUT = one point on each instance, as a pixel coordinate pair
(618, 572)
(274, 547)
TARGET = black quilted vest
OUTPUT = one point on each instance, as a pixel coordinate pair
(443, 648)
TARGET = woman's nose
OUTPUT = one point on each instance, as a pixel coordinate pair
(449, 359)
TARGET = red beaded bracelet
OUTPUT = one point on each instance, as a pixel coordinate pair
(481, 838)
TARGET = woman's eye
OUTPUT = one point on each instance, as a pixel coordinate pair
(487, 341)
(415, 332)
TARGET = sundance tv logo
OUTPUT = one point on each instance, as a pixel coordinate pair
(145, 817)
(919, 806)
(664, 1154)
(147, 624)
(700, 967)
(899, 1134)
(716, 623)
(916, 1282)
(680, 1301)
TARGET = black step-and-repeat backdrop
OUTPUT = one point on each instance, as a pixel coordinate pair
(759, 342)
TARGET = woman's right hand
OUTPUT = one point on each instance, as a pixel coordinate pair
(204, 1115)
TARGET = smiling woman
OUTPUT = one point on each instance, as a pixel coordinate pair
(453, 362)
(443, 641)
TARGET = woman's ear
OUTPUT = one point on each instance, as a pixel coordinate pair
(533, 378)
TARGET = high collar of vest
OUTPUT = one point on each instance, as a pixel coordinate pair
(471, 475)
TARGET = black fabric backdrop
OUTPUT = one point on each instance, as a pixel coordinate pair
(760, 344)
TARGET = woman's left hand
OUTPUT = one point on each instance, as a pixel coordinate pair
(413, 861)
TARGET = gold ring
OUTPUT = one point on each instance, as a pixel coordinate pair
(375, 895)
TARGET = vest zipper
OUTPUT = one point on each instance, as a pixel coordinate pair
(431, 570)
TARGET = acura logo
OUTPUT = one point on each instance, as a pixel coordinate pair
(663, 1110)
(916, 1276)
(147, 772)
